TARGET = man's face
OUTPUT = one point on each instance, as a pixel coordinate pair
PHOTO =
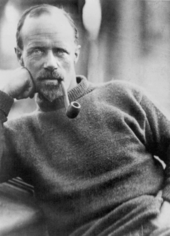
(50, 53)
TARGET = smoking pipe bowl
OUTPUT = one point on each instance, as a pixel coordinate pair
(73, 108)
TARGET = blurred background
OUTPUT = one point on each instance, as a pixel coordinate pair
(120, 39)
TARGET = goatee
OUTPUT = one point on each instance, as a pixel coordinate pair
(50, 92)
(48, 85)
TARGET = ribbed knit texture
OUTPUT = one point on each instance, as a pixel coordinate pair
(95, 174)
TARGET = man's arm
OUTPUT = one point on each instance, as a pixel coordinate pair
(18, 84)
(158, 141)
(157, 136)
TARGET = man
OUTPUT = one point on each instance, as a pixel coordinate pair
(95, 174)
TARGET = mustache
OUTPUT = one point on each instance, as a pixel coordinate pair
(50, 75)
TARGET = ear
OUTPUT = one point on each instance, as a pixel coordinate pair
(18, 53)
(77, 53)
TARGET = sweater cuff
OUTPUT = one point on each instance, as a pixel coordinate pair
(5, 102)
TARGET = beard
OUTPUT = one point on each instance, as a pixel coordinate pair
(48, 85)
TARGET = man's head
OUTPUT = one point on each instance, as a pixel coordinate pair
(47, 45)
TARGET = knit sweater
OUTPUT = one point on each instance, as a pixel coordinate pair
(95, 174)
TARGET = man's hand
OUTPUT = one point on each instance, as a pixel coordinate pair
(18, 84)
(163, 219)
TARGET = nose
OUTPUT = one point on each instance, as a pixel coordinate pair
(51, 62)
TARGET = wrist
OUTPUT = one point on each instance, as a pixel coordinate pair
(7, 91)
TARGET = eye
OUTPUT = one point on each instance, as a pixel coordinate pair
(37, 51)
(60, 52)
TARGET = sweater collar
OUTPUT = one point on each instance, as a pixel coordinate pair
(73, 94)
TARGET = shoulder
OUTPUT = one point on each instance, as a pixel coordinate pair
(22, 123)
(121, 89)
(123, 86)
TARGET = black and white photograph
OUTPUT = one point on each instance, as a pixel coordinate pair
(84, 117)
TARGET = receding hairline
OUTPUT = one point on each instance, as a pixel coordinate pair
(59, 17)
(44, 9)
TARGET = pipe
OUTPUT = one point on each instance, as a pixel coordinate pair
(73, 108)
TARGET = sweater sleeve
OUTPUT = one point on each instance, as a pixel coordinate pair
(6, 159)
(157, 135)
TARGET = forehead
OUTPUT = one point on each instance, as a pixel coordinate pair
(47, 26)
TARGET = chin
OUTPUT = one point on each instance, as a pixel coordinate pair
(51, 94)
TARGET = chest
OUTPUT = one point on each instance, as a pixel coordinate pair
(86, 146)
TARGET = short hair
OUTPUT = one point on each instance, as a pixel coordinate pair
(37, 10)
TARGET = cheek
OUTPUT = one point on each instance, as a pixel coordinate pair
(68, 64)
(33, 66)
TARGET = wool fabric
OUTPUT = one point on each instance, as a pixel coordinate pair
(96, 174)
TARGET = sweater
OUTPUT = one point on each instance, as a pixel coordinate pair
(96, 174)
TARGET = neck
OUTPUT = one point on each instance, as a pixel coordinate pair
(73, 83)
(76, 92)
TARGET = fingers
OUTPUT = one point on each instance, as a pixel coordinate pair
(162, 220)
(28, 88)
(30, 75)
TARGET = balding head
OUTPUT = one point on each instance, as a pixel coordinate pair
(37, 11)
